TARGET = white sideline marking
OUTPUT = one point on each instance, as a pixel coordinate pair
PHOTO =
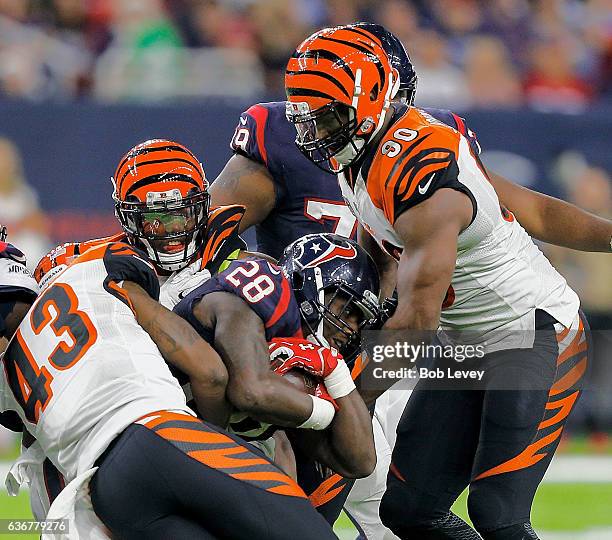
(580, 469)
(563, 469)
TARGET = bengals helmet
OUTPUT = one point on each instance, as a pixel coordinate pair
(54, 262)
(339, 85)
(161, 201)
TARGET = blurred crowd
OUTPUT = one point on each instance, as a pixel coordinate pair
(545, 54)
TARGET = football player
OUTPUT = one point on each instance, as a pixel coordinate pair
(418, 188)
(159, 225)
(162, 203)
(85, 375)
(286, 197)
(18, 290)
(327, 292)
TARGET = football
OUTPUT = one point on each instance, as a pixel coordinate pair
(303, 380)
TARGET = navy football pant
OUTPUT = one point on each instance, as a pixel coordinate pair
(326, 490)
(499, 442)
(173, 476)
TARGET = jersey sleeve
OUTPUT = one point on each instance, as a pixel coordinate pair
(462, 127)
(249, 135)
(16, 281)
(125, 262)
(457, 122)
(417, 171)
(262, 286)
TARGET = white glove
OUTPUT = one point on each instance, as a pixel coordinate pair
(181, 283)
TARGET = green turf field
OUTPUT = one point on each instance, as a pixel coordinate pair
(558, 507)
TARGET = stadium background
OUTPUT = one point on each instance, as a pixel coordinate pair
(81, 81)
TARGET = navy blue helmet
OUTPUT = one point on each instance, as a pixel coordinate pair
(398, 57)
(324, 267)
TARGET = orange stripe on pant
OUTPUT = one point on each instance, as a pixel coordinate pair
(219, 451)
(325, 492)
(562, 384)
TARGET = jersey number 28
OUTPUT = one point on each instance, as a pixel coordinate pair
(257, 287)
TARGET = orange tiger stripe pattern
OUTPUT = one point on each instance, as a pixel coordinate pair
(321, 69)
(402, 166)
(158, 161)
(327, 490)
(219, 451)
(572, 362)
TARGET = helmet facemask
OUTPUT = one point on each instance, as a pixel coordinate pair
(327, 133)
(332, 137)
(333, 310)
(168, 226)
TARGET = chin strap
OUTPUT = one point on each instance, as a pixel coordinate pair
(319, 287)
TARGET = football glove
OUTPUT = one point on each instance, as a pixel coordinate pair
(181, 283)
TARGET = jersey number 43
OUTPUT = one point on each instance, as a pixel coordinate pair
(30, 381)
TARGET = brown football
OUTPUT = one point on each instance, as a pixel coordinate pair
(304, 381)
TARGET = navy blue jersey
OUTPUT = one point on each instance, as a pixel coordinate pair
(259, 283)
(308, 200)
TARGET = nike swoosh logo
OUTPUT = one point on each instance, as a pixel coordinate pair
(181, 295)
(423, 189)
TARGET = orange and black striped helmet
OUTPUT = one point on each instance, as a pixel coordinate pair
(161, 201)
(56, 260)
(339, 85)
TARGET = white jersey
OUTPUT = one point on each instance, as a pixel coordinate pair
(500, 277)
(80, 369)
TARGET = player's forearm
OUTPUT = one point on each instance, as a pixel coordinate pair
(272, 399)
(387, 266)
(552, 220)
(419, 294)
(253, 388)
(351, 440)
(347, 446)
(181, 346)
(571, 227)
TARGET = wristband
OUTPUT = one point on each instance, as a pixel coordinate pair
(339, 382)
(322, 414)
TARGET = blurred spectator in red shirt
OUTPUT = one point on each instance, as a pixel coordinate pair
(552, 83)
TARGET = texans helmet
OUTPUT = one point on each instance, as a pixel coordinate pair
(324, 267)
